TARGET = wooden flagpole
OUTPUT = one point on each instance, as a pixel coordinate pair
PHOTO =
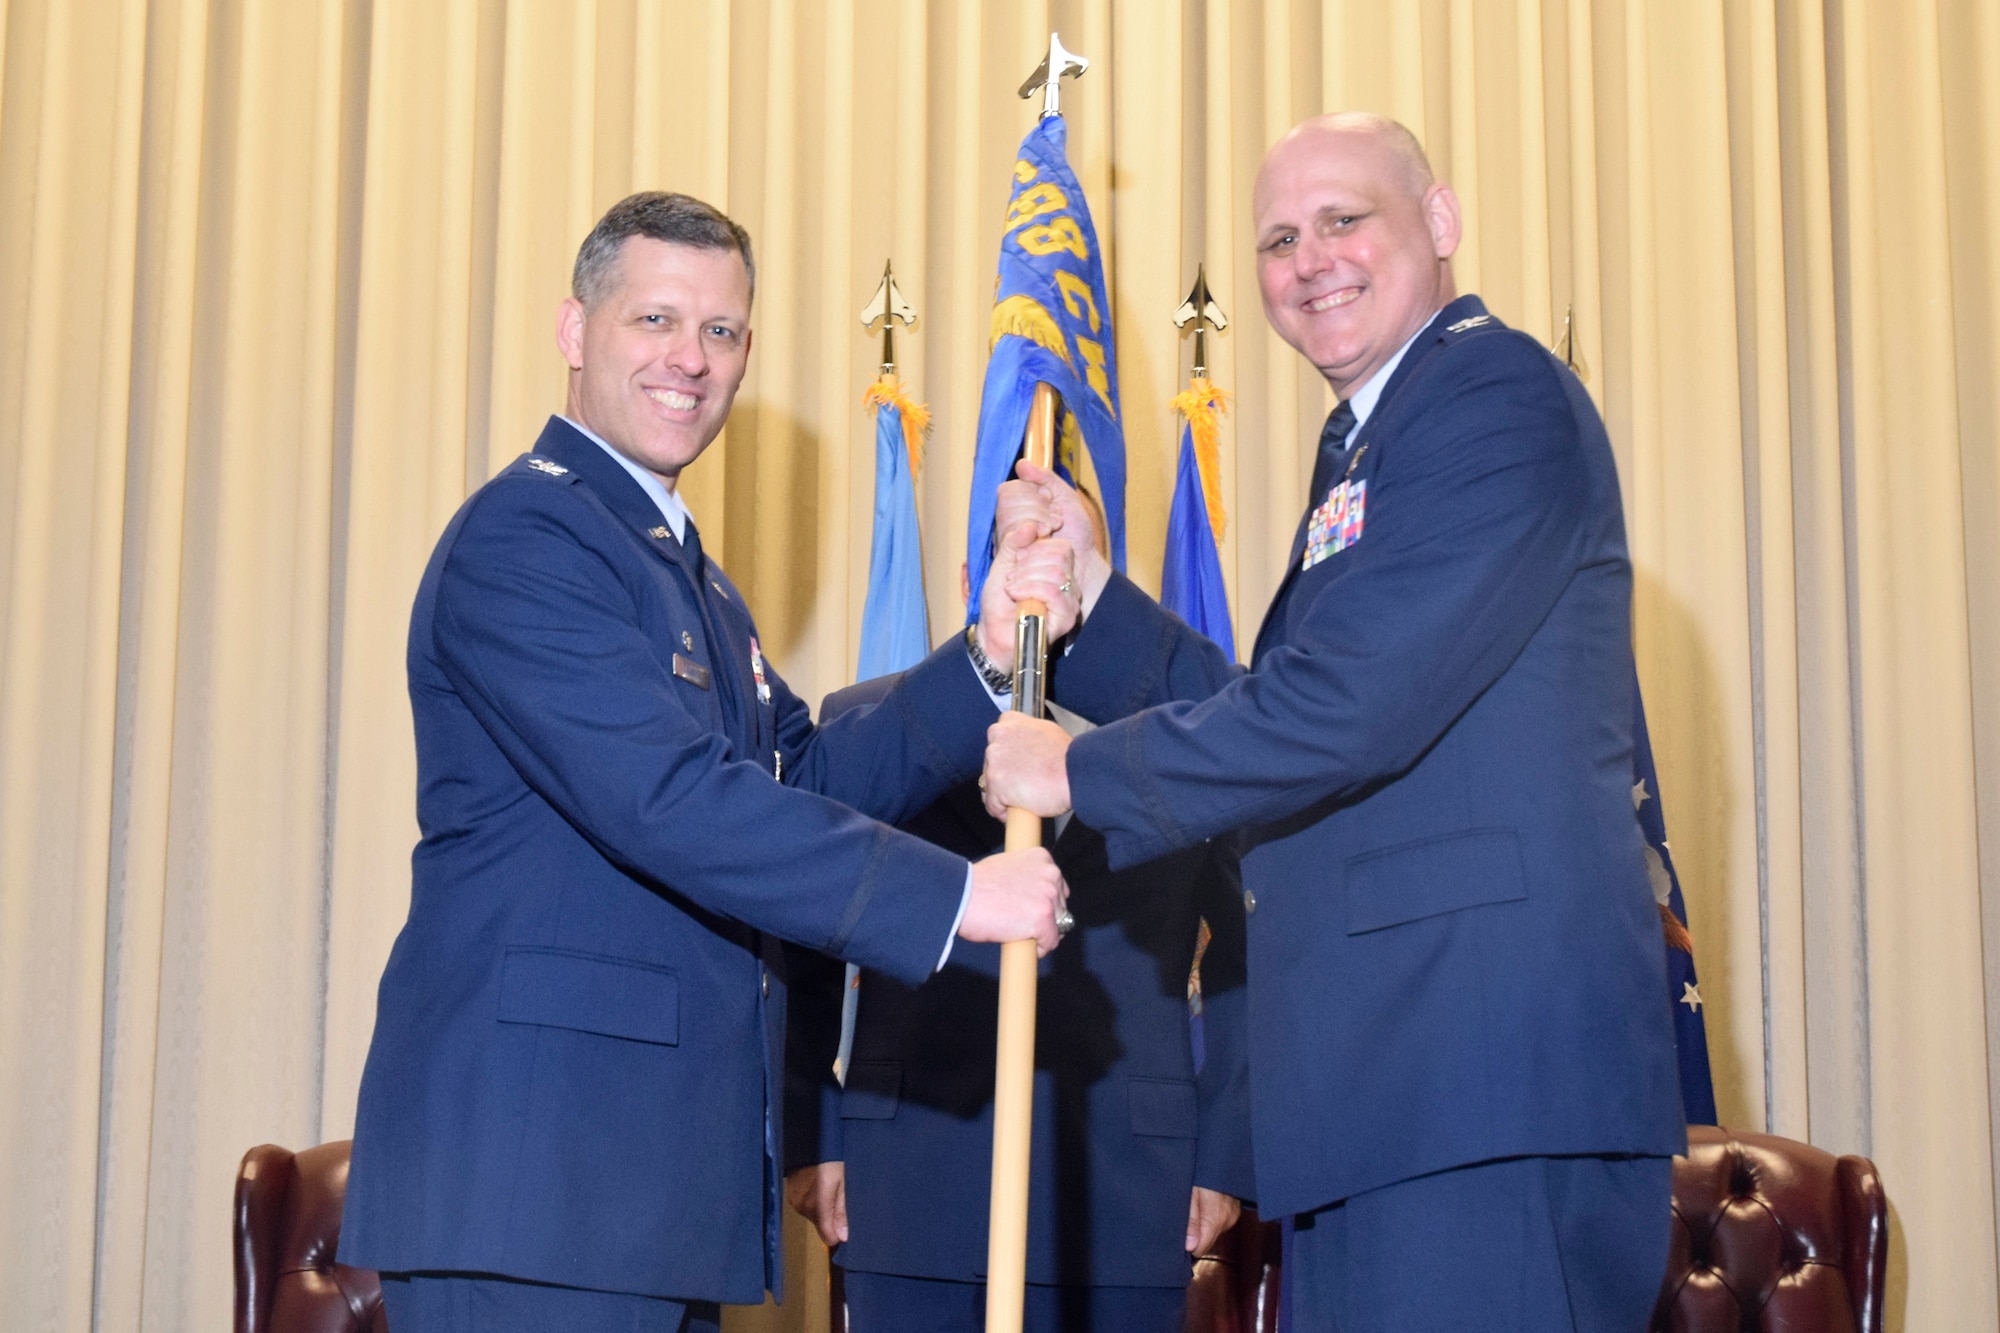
(1014, 1062)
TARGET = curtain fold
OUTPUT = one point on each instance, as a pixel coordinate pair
(279, 283)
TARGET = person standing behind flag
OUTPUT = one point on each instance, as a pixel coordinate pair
(1139, 1150)
(1462, 1081)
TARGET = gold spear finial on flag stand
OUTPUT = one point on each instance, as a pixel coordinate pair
(1057, 65)
(1201, 403)
(885, 307)
(1566, 349)
(1201, 310)
(1014, 1040)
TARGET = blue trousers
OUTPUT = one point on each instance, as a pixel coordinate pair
(883, 1303)
(1528, 1245)
(483, 1303)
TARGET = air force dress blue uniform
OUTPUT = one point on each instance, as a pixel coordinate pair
(575, 1076)
(1454, 956)
(1124, 1125)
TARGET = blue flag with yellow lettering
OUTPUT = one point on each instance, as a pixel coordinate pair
(1683, 995)
(1051, 324)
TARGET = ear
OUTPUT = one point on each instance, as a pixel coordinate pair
(569, 331)
(1442, 217)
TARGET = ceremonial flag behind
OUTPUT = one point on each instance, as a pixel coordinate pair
(1191, 575)
(1683, 996)
(1052, 325)
(895, 623)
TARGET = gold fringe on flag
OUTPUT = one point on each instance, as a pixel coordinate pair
(888, 391)
(1203, 405)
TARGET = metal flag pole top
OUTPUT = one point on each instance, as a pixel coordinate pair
(1014, 1059)
(1057, 65)
(1201, 309)
(885, 307)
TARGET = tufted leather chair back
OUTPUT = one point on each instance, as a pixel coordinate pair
(287, 1231)
(1771, 1236)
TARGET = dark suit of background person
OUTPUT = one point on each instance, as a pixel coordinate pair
(1124, 1126)
(1462, 1079)
(570, 1111)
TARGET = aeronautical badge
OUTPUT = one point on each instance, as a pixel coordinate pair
(1472, 322)
(544, 465)
(757, 670)
(1336, 525)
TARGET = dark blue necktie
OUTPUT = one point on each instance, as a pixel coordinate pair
(691, 544)
(1332, 449)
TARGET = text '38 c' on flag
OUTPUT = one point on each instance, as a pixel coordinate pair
(1051, 325)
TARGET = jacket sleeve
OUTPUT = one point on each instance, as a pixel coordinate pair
(892, 759)
(540, 638)
(815, 992)
(1475, 520)
(1133, 653)
(1223, 1159)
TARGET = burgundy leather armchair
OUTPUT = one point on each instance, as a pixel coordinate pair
(1770, 1235)
(287, 1233)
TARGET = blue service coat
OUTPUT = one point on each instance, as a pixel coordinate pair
(1453, 952)
(1124, 1126)
(574, 1074)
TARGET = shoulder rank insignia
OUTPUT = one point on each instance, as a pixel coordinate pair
(1471, 323)
(544, 465)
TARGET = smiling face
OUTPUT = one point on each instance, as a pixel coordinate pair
(654, 367)
(1353, 245)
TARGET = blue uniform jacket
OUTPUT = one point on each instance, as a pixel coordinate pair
(574, 1075)
(1453, 952)
(1124, 1127)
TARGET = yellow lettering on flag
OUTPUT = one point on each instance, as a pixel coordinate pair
(1093, 371)
(1034, 202)
(1074, 290)
(1062, 234)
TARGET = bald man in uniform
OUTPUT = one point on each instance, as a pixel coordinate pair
(1463, 1084)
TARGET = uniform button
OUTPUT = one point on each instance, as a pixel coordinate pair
(1249, 902)
(766, 982)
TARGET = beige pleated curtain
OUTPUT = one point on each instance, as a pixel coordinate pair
(277, 288)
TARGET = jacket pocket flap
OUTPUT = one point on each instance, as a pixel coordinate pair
(1424, 879)
(1162, 1107)
(872, 1091)
(612, 997)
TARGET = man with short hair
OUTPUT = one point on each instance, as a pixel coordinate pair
(1463, 1083)
(569, 1116)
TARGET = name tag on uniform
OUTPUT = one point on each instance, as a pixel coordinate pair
(1336, 525)
(691, 671)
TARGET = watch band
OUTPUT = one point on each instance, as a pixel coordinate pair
(996, 680)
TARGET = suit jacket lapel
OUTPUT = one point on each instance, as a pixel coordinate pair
(630, 504)
(1426, 342)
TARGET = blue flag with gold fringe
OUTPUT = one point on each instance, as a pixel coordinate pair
(1191, 573)
(1683, 992)
(895, 624)
(1052, 325)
